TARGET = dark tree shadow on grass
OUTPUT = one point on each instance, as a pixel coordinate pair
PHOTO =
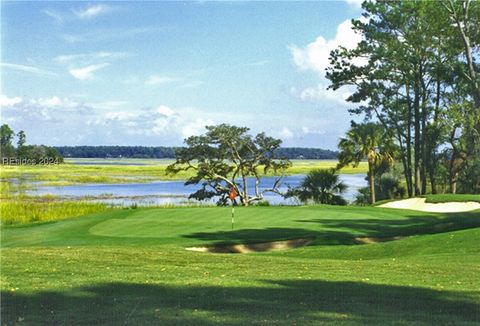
(246, 236)
(285, 302)
(331, 231)
(413, 225)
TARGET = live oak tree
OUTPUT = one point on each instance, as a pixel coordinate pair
(227, 157)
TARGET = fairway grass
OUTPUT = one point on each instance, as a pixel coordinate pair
(130, 267)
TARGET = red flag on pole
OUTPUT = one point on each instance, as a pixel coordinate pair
(233, 194)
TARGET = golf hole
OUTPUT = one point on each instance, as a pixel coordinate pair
(254, 247)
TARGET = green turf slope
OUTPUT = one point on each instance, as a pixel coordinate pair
(130, 267)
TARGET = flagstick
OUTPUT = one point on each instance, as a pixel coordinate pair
(233, 214)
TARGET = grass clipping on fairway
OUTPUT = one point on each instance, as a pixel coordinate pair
(254, 247)
(419, 204)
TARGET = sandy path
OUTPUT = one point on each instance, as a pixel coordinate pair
(419, 204)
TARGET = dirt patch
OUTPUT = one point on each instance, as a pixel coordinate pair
(419, 204)
(254, 247)
(370, 240)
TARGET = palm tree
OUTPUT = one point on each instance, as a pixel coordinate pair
(322, 186)
(367, 140)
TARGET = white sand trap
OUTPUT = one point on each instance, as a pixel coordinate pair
(254, 247)
(370, 240)
(419, 204)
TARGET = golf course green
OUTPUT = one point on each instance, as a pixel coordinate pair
(130, 267)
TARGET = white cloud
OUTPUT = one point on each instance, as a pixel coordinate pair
(107, 105)
(258, 63)
(49, 109)
(30, 69)
(91, 11)
(357, 4)
(88, 12)
(286, 133)
(196, 127)
(307, 130)
(58, 120)
(166, 111)
(155, 80)
(55, 15)
(315, 56)
(320, 93)
(9, 101)
(87, 72)
(87, 58)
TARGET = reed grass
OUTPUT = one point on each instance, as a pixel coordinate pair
(19, 211)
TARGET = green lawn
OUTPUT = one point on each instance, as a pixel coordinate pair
(129, 267)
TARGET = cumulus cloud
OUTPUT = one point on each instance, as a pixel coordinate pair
(64, 121)
(196, 127)
(9, 101)
(40, 110)
(87, 72)
(58, 120)
(315, 56)
(320, 92)
(357, 4)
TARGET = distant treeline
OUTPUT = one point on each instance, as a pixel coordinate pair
(169, 152)
(24, 154)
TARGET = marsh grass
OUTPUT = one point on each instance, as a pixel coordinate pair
(20, 211)
(68, 174)
(17, 207)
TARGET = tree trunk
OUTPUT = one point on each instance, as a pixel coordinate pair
(408, 143)
(462, 28)
(245, 190)
(406, 173)
(432, 139)
(417, 150)
(453, 182)
(423, 138)
(371, 181)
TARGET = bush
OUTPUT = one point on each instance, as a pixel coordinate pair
(322, 186)
(386, 187)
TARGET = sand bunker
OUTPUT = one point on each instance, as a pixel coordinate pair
(419, 204)
(370, 240)
(254, 247)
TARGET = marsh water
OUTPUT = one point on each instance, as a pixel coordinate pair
(176, 193)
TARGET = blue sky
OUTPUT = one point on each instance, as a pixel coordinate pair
(153, 73)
